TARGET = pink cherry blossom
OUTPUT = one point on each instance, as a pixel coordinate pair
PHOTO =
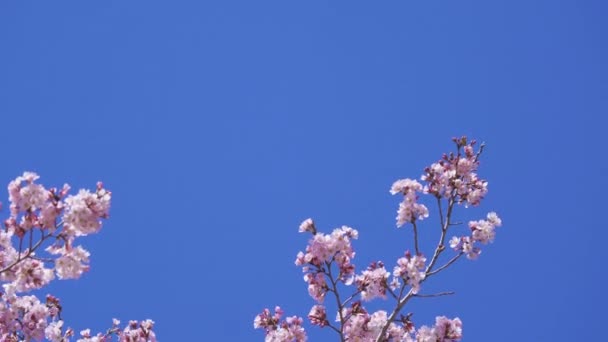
(71, 263)
(454, 176)
(324, 249)
(409, 209)
(308, 226)
(84, 211)
(373, 282)
(410, 269)
(289, 330)
(318, 315)
(445, 330)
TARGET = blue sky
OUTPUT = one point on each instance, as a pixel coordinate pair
(220, 126)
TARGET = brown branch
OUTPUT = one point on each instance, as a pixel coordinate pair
(416, 237)
(447, 293)
(32, 249)
(446, 265)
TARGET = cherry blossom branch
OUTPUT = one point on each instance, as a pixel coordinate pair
(438, 250)
(31, 249)
(27, 255)
(453, 179)
(445, 224)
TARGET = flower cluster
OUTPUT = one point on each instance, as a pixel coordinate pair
(134, 332)
(25, 314)
(482, 231)
(318, 315)
(83, 211)
(411, 270)
(409, 210)
(361, 326)
(372, 283)
(454, 175)
(39, 215)
(33, 207)
(445, 330)
(289, 330)
(322, 250)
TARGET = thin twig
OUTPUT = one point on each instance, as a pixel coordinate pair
(481, 146)
(446, 265)
(32, 249)
(333, 328)
(440, 210)
(416, 237)
(338, 301)
(447, 293)
(350, 298)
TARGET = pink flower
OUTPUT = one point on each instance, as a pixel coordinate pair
(317, 287)
(484, 230)
(31, 274)
(308, 226)
(71, 263)
(335, 247)
(410, 269)
(289, 330)
(138, 332)
(32, 315)
(53, 332)
(405, 186)
(465, 244)
(26, 197)
(409, 209)
(83, 211)
(318, 315)
(454, 176)
(445, 330)
(373, 282)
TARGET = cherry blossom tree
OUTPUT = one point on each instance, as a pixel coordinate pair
(40, 242)
(327, 262)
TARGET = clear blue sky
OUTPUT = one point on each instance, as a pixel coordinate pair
(220, 126)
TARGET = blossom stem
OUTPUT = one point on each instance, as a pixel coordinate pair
(416, 237)
(351, 298)
(338, 301)
(447, 293)
(446, 265)
(30, 251)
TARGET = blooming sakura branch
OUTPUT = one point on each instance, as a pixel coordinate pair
(332, 279)
(40, 242)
